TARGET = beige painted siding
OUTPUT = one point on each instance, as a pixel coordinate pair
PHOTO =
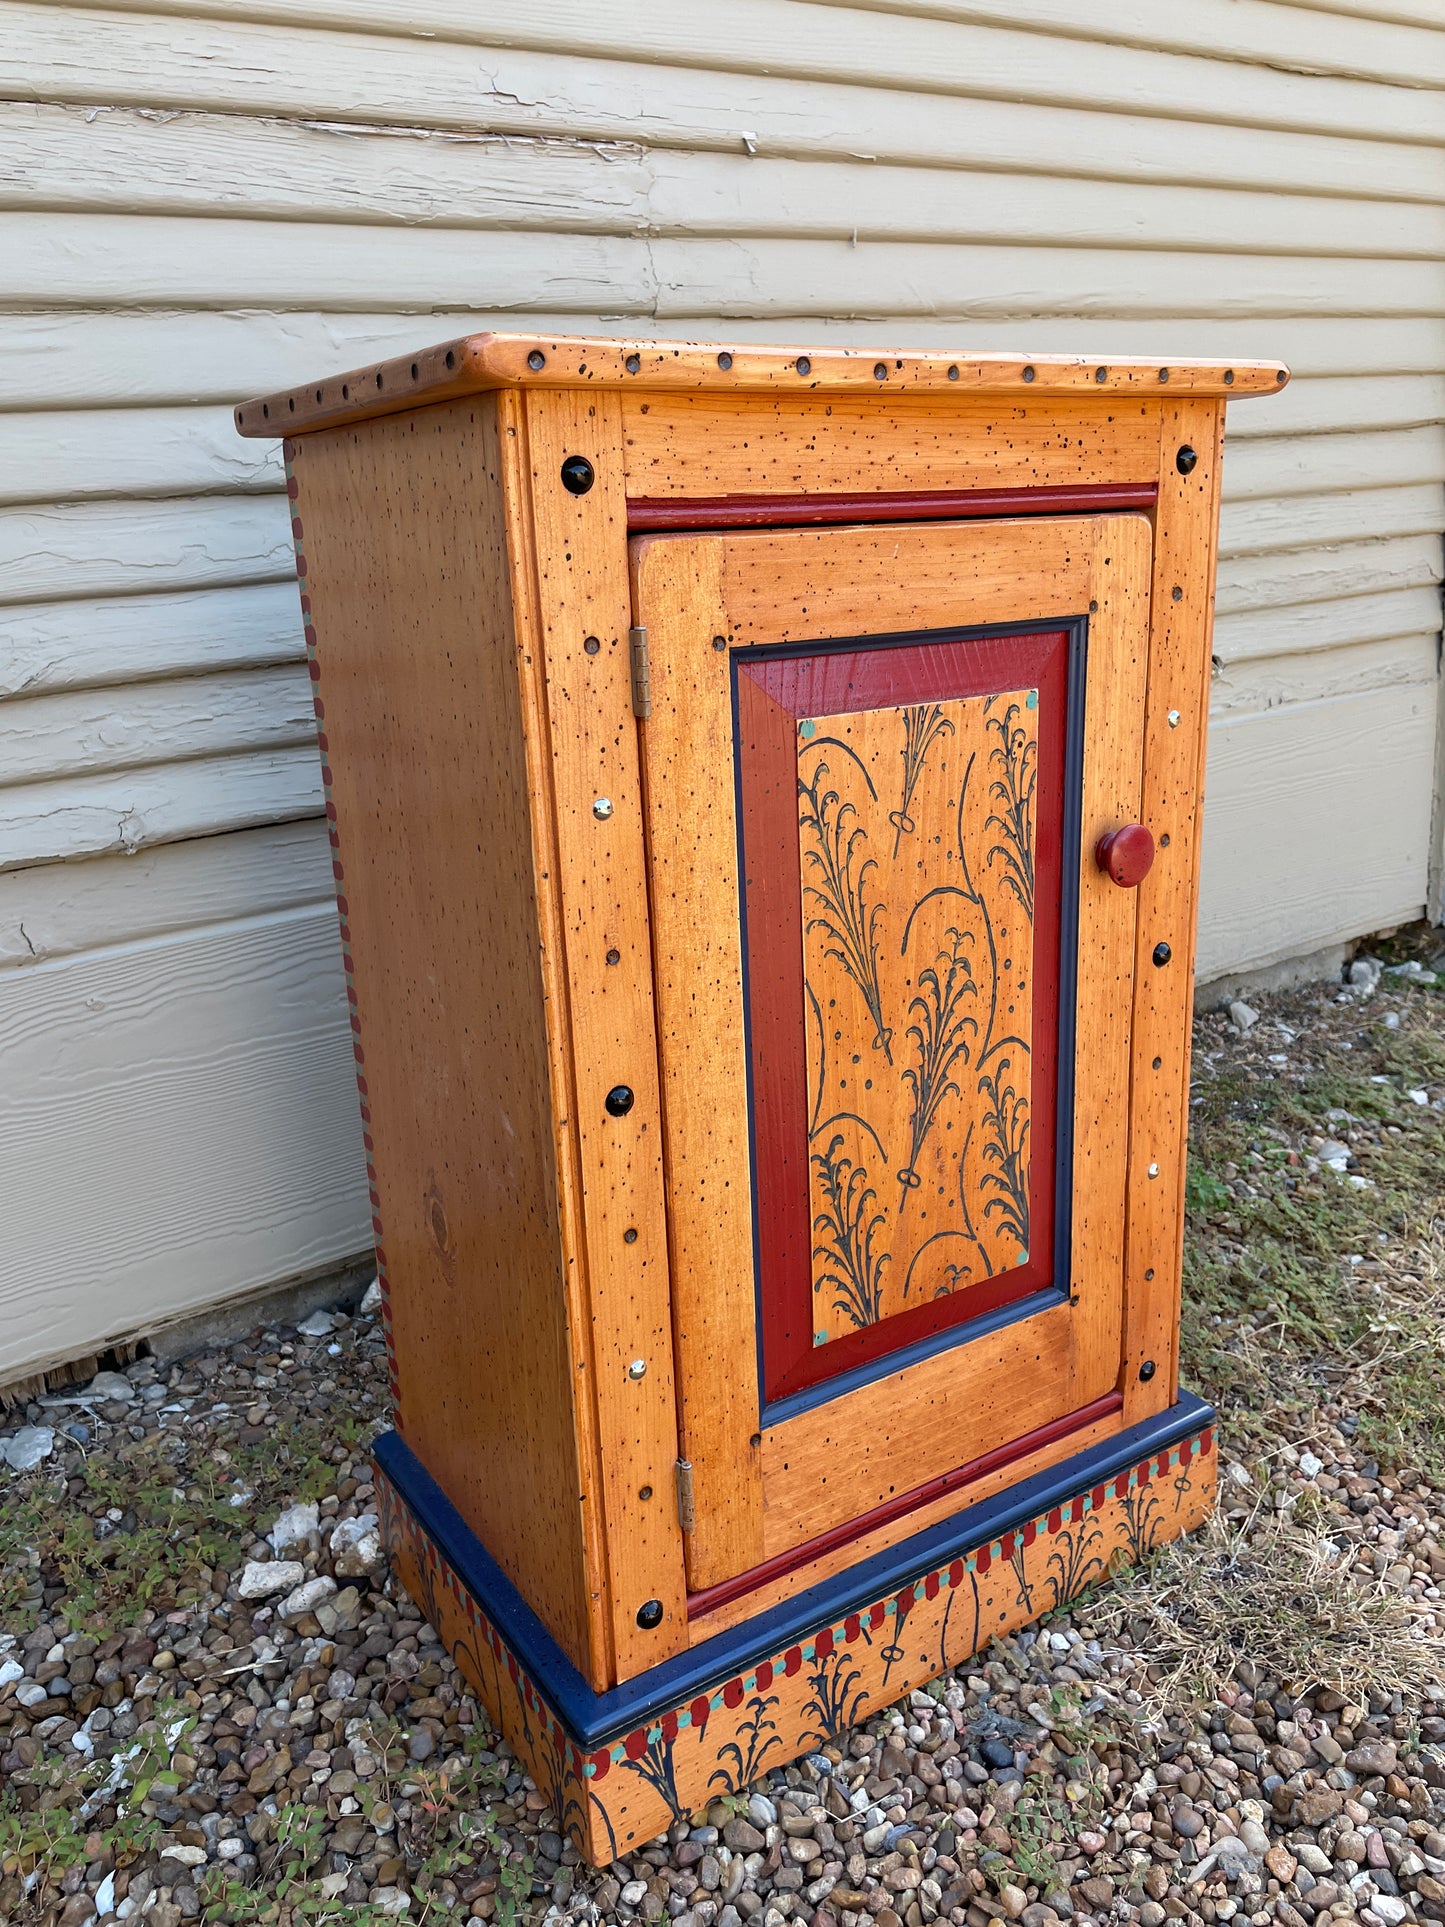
(205, 199)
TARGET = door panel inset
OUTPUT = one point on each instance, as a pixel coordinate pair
(904, 815)
(917, 975)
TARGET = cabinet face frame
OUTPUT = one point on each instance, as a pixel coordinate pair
(552, 422)
(833, 1457)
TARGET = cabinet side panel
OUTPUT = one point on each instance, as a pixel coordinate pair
(401, 548)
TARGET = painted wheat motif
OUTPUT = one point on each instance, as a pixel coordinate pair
(1014, 759)
(848, 1231)
(847, 919)
(1006, 1154)
(940, 1034)
(923, 723)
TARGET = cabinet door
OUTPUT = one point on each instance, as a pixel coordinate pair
(894, 993)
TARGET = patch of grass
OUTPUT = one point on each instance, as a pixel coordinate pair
(1277, 1321)
(140, 1526)
(1273, 1593)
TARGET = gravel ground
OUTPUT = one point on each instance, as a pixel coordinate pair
(215, 1705)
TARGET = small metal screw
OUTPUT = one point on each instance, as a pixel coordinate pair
(1093, 608)
(1185, 460)
(1147, 1370)
(1158, 1063)
(1029, 374)
(1162, 954)
(1173, 719)
(536, 360)
(953, 371)
(1149, 1275)
(719, 643)
(619, 1101)
(614, 956)
(644, 1493)
(805, 367)
(1163, 374)
(638, 1368)
(602, 808)
(1153, 1170)
(650, 1615)
(578, 475)
(880, 371)
(633, 364)
(592, 645)
(1101, 374)
(724, 361)
(1229, 377)
(1164, 841)
(629, 1237)
(1177, 593)
(756, 1439)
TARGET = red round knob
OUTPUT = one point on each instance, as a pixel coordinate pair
(1127, 855)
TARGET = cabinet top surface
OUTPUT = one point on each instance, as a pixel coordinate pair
(472, 364)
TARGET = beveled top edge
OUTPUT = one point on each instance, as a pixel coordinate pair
(472, 364)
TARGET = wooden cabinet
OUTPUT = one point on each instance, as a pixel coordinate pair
(764, 788)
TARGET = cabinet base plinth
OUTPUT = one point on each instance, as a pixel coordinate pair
(623, 1765)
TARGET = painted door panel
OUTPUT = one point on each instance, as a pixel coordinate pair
(876, 766)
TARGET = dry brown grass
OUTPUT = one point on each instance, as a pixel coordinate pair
(1273, 1595)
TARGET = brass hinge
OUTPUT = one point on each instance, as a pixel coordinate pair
(687, 1517)
(641, 672)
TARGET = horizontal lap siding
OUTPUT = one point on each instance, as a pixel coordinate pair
(202, 200)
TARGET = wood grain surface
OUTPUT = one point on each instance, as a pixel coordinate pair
(475, 363)
(405, 566)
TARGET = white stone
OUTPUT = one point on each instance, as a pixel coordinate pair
(371, 1299)
(1365, 972)
(1313, 1857)
(356, 1548)
(230, 1849)
(1418, 1097)
(110, 1385)
(105, 1895)
(1243, 1016)
(294, 1527)
(334, 1885)
(390, 1900)
(1389, 1908)
(187, 1856)
(262, 1577)
(1310, 1465)
(24, 1449)
(31, 1695)
(307, 1598)
(318, 1324)
(10, 1670)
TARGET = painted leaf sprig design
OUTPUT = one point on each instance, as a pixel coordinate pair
(845, 916)
(849, 1230)
(1005, 1152)
(940, 1032)
(922, 722)
(927, 934)
(1014, 759)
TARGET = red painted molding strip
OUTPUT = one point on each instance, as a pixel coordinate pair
(726, 1590)
(651, 513)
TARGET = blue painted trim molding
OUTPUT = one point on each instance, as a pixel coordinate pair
(596, 1719)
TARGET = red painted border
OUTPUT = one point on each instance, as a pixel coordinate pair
(699, 1604)
(772, 692)
(648, 513)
